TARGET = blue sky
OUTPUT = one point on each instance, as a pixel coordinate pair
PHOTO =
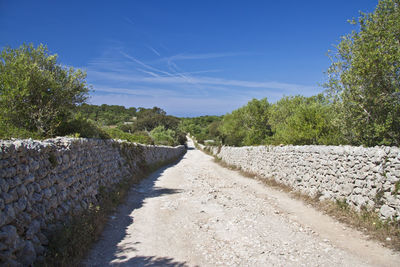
(189, 57)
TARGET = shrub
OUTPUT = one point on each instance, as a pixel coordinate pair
(364, 78)
(81, 127)
(8, 131)
(137, 137)
(161, 136)
(36, 93)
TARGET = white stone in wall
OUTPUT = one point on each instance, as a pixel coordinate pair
(363, 176)
(42, 181)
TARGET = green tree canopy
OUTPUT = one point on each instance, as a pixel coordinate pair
(36, 92)
(248, 125)
(162, 136)
(107, 114)
(303, 120)
(364, 78)
(203, 127)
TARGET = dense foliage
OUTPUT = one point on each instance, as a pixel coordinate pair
(294, 120)
(364, 78)
(36, 93)
(302, 120)
(248, 125)
(163, 136)
(107, 114)
(203, 128)
(141, 125)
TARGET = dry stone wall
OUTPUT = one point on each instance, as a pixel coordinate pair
(360, 176)
(43, 182)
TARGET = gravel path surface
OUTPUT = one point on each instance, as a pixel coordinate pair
(196, 213)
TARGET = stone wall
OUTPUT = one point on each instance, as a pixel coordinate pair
(43, 182)
(361, 176)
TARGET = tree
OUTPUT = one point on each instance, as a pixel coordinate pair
(108, 114)
(303, 120)
(364, 78)
(162, 136)
(232, 130)
(248, 125)
(36, 92)
(256, 121)
(202, 128)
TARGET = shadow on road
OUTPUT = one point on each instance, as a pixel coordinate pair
(106, 250)
(153, 262)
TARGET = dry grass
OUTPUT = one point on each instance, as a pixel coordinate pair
(367, 221)
(71, 243)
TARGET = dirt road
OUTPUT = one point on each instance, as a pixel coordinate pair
(196, 213)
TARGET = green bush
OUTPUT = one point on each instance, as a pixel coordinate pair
(303, 120)
(248, 125)
(37, 94)
(137, 137)
(107, 114)
(161, 136)
(180, 137)
(8, 131)
(202, 128)
(364, 78)
(81, 127)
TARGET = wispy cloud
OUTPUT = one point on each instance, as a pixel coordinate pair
(154, 50)
(204, 80)
(143, 64)
(138, 91)
(148, 72)
(129, 20)
(184, 56)
(119, 77)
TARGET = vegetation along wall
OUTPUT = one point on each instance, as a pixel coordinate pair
(368, 177)
(43, 182)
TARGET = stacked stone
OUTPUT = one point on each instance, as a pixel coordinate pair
(43, 183)
(363, 177)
